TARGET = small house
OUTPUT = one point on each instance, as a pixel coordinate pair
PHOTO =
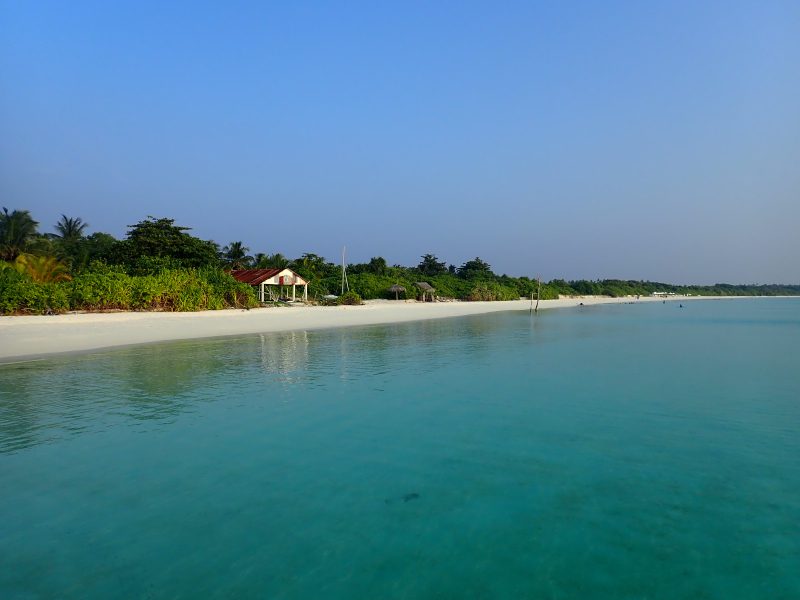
(272, 284)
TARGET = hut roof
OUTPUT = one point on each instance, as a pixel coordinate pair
(254, 276)
(424, 286)
(397, 288)
(257, 276)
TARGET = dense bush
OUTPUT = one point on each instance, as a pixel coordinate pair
(101, 288)
(350, 298)
(492, 291)
(371, 286)
(20, 294)
(107, 288)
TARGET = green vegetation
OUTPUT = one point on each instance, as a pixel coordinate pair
(474, 280)
(350, 298)
(160, 266)
(157, 267)
(17, 233)
(104, 288)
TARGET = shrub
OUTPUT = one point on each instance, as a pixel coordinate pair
(350, 298)
(20, 294)
(101, 289)
(105, 288)
(492, 291)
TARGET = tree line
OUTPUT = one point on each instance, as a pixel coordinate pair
(159, 265)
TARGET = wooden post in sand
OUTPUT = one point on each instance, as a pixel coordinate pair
(538, 293)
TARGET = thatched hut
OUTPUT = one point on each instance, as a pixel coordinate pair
(426, 289)
(397, 288)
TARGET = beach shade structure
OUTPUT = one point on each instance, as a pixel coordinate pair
(272, 282)
(397, 288)
(426, 289)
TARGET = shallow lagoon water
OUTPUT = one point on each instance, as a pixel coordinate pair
(630, 451)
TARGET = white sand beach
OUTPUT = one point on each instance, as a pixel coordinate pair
(26, 337)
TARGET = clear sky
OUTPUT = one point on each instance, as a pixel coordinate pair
(643, 140)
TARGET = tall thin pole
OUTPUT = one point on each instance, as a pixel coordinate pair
(538, 293)
(344, 272)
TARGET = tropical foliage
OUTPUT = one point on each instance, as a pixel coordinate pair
(234, 256)
(42, 269)
(160, 266)
(106, 288)
(350, 298)
(70, 229)
(17, 230)
(271, 261)
(168, 243)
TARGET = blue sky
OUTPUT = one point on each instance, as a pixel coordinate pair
(641, 140)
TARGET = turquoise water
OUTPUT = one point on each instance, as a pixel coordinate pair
(632, 451)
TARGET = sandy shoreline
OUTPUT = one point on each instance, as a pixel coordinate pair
(26, 337)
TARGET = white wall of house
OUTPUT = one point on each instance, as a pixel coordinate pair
(290, 279)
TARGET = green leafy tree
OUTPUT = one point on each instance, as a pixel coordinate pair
(162, 239)
(96, 247)
(475, 269)
(103, 247)
(272, 261)
(430, 266)
(586, 288)
(311, 265)
(323, 277)
(377, 265)
(17, 230)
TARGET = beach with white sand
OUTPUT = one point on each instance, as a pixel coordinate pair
(30, 336)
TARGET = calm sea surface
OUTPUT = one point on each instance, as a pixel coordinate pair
(632, 451)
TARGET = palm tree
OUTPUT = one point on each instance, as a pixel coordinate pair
(16, 230)
(70, 229)
(69, 238)
(44, 269)
(235, 255)
(311, 264)
(272, 261)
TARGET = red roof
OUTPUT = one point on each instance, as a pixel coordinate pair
(254, 276)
